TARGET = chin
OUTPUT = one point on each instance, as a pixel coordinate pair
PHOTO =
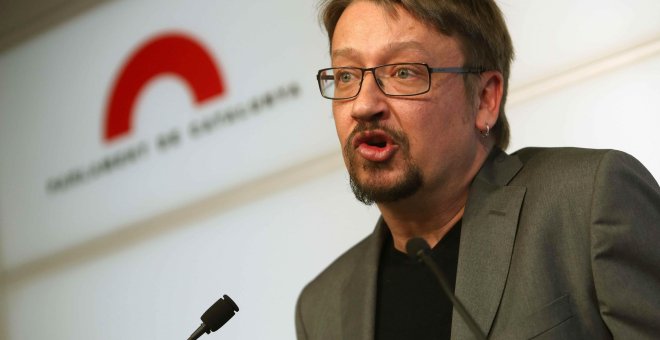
(381, 187)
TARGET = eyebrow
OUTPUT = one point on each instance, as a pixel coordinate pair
(344, 52)
(393, 48)
(407, 45)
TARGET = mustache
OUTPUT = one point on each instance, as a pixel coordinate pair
(397, 136)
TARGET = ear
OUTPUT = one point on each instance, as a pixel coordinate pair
(490, 88)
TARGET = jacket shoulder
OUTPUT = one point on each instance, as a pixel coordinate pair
(568, 165)
(335, 276)
(320, 307)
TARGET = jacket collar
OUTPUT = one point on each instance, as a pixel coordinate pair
(358, 303)
(488, 232)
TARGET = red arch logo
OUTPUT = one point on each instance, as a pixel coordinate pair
(167, 54)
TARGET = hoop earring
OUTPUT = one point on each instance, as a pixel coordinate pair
(486, 133)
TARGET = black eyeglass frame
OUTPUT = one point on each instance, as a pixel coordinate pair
(458, 70)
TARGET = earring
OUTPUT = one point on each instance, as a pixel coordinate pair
(486, 133)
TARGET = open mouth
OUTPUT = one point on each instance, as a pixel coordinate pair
(377, 142)
(374, 139)
(375, 145)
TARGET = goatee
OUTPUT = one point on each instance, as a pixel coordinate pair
(370, 192)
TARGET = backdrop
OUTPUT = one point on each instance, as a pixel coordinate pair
(156, 155)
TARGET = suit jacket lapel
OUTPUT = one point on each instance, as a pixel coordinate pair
(359, 301)
(487, 236)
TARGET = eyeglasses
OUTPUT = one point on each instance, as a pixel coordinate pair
(402, 79)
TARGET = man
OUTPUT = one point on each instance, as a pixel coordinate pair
(547, 243)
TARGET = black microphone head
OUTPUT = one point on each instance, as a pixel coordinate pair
(218, 314)
(417, 246)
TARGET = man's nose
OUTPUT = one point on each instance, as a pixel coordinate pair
(370, 103)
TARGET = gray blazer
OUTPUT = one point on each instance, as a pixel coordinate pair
(555, 244)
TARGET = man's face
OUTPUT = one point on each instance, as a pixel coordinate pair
(396, 147)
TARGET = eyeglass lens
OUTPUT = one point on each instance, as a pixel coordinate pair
(395, 79)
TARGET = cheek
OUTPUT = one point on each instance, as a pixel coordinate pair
(437, 128)
(452, 106)
(424, 126)
(342, 120)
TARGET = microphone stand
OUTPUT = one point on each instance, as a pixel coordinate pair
(454, 300)
(418, 248)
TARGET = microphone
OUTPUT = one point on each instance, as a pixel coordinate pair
(216, 316)
(418, 249)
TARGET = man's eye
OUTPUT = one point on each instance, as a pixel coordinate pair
(403, 73)
(345, 77)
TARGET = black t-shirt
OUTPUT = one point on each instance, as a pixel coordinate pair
(410, 303)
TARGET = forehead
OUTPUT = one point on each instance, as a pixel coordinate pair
(367, 32)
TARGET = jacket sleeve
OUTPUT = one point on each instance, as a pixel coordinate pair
(625, 247)
(300, 329)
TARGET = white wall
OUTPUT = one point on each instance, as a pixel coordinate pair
(256, 209)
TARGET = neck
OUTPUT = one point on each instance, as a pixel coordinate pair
(422, 217)
(431, 213)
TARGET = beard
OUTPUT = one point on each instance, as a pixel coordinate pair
(370, 192)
